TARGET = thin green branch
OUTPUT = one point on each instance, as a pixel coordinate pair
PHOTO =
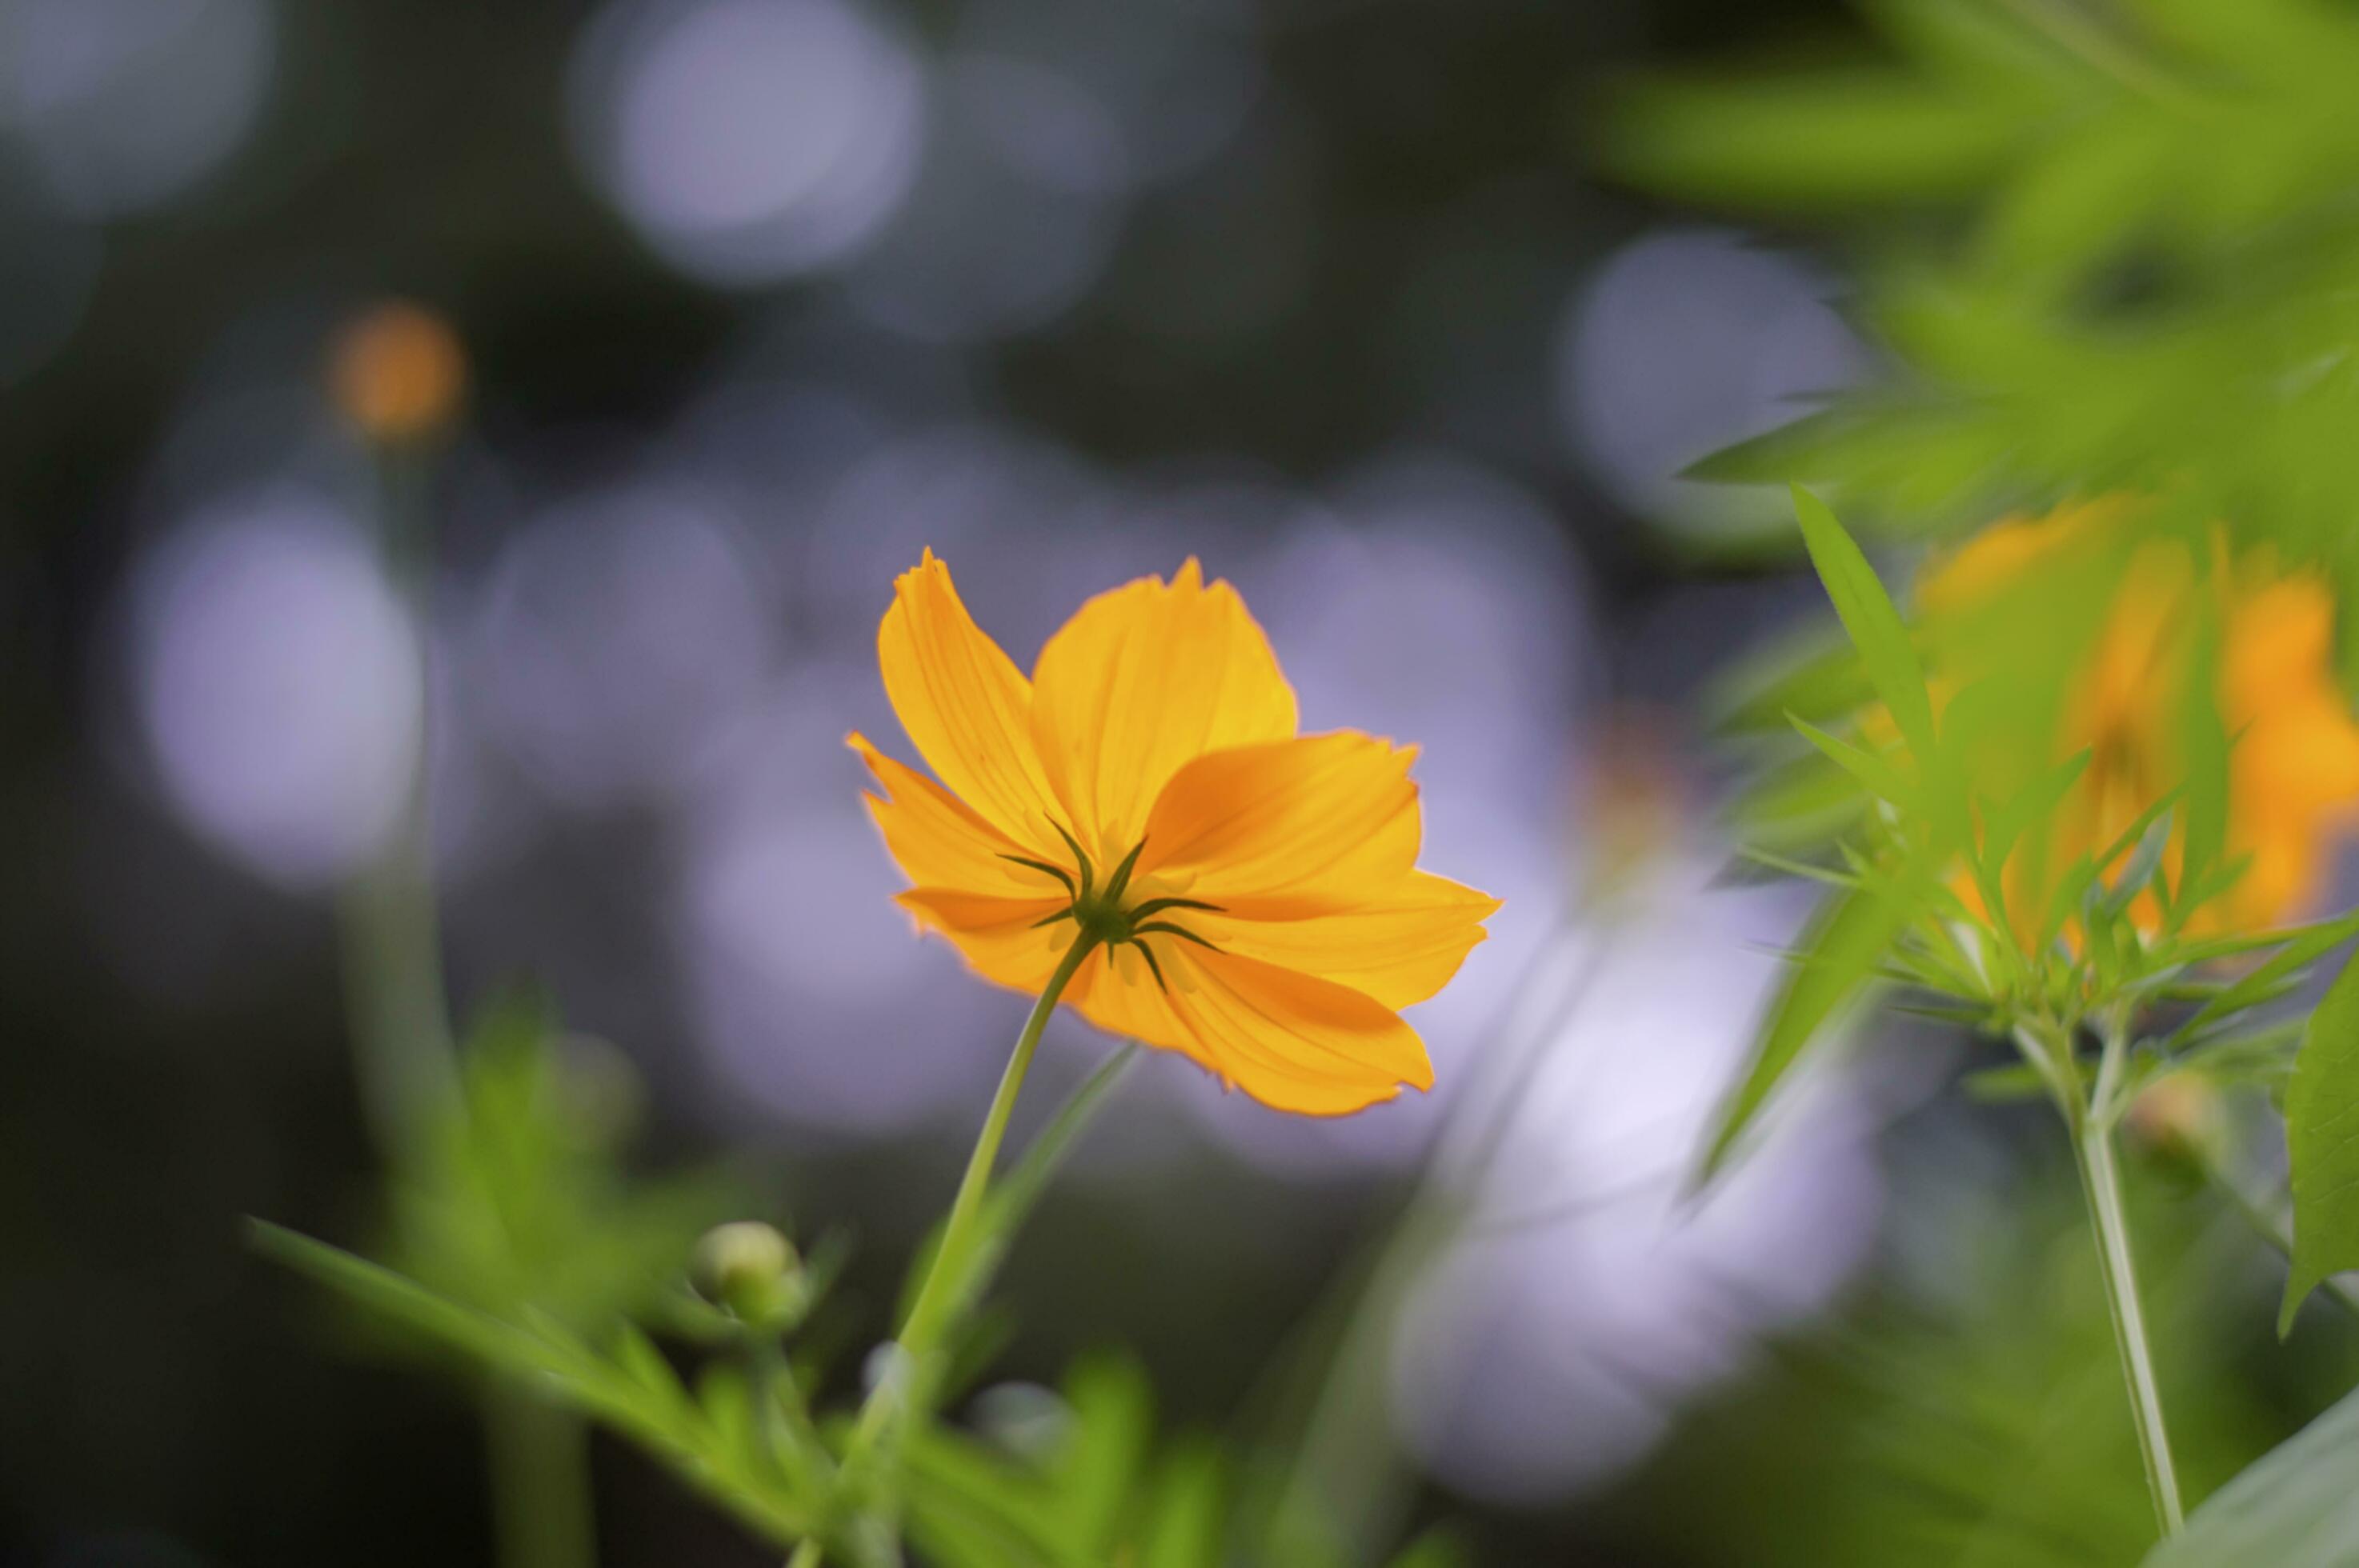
(906, 1376)
(2090, 1126)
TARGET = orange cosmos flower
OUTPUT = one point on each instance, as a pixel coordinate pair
(2294, 766)
(1248, 896)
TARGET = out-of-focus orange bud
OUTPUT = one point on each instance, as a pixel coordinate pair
(397, 373)
(2178, 1117)
(1635, 799)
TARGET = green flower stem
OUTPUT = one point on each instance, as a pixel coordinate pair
(2100, 1184)
(2090, 1124)
(404, 1056)
(783, 1418)
(809, 1554)
(1012, 1198)
(904, 1379)
(539, 1461)
(407, 1064)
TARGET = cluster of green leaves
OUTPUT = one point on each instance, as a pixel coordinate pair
(1102, 1489)
(710, 1436)
(1096, 1488)
(516, 1198)
(1957, 804)
(522, 1250)
(2107, 935)
(2110, 250)
(2108, 246)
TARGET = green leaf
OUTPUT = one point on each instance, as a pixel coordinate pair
(2205, 741)
(2014, 1084)
(2006, 827)
(1830, 140)
(1814, 674)
(1113, 1422)
(1872, 622)
(2146, 859)
(405, 1302)
(1804, 802)
(635, 1398)
(2304, 945)
(2323, 1139)
(1186, 1513)
(1875, 776)
(1437, 1548)
(1839, 956)
(2293, 1507)
(1787, 866)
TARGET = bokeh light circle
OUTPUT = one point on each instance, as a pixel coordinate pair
(748, 141)
(123, 104)
(1014, 211)
(1686, 342)
(279, 685)
(1584, 1302)
(621, 633)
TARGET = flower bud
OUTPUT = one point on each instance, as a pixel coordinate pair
(397, 373)
(2178, 1117)
(752, 1269)
(1634, 801)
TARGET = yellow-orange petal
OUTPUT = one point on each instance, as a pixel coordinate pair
(1002, 939)
(1289, 828)
(1398, 947)
(939, 840)
(1121, 998)
(2281, 641)
(967, 708)
(1294, 1042)
(2006, 552)
(1143, 679)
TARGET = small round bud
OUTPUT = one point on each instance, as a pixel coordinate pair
(2178, 1117)
(751, 1269)
(396, 371)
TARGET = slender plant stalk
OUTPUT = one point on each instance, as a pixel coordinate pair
(1012, 1198)
(808, 1554)
(2090, 1124)
(2100, 1184)
(944, 1283)
(406, 1065)
(540, 1463)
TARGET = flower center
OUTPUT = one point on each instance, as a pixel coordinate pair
(1105, 912)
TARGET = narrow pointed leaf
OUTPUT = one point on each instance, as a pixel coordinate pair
(1875, 776)
(2268, 979)
(1872, 622)
(2323, 1139)
(1850, 938)
(2293, 1507)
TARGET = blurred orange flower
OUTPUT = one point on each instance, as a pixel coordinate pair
(2294, 763)
(397, 373)
(1250, 895)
